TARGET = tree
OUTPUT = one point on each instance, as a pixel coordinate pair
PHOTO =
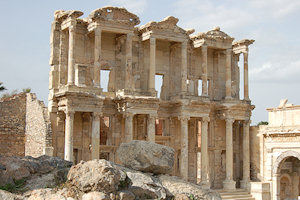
(263, 123)
(26, 90)
(2, 87)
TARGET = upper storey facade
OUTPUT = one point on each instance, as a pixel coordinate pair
(109, 39)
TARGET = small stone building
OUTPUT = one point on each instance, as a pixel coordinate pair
(275, 153)
(198, 111)
(25, 128)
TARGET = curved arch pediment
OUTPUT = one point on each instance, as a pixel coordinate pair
(114, 14)
(282, 157)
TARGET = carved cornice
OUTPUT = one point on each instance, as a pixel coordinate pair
(61, 15)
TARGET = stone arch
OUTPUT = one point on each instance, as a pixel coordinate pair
(281, 158)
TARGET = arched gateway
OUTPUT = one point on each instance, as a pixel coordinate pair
(286, 171)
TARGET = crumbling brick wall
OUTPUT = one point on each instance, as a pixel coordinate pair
(12, 125)
(24, 126)
(38, 130)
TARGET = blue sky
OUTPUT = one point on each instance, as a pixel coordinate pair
(274, 58)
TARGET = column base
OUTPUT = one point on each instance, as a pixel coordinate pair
(229, 185)
(245, 184)
(205, 185)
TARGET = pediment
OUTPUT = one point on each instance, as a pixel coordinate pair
(114, 14)
(168, 24)
(216, 34)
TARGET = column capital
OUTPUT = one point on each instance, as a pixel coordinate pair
(152, 115)
(97, 115)
(69, 113)
(246, 123)
(228, 51)
(204, 48)
(72, 27)
(184, 44)
(184, 118)
(205, 119)
(98, 31)
(229, 120)
(130, 34)
(128, 115)
(152, 40)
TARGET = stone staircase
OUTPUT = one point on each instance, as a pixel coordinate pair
(238, 194)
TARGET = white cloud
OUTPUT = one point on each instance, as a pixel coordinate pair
(277, 72)
(136, 7)
(277, 8)
(204, 15)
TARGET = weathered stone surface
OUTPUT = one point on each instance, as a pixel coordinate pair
(95, 196)
(46, 194)
(144, 186)
(126, 195)
(146, 156)
(177, 186)
(95, 175)
(4, 195)
(40, 172)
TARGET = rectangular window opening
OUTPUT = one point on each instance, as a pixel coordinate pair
(104, 130)
(159, 127)
(199, 87)
(158, 84)
(104, 78)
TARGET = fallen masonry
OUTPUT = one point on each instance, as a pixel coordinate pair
(95, 179)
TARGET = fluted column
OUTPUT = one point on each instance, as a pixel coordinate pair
(246, 87)
(183, 66)
(204, 153)
(229, 183)
(151, 128)
(69, 135)
(184, 147)
(128, 73)
(71, 58)
(246, 156)
(63, 54)
(128, 127)
(97, 57)
(96, 136)
(151, 78)
(228, 73)
(204, 70)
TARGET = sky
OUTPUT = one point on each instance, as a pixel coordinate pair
(274, 58)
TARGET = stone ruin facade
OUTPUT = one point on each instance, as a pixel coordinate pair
(25, 128)
(275, 154)
(209, 130)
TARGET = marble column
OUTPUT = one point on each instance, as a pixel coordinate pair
(228, 73)
(71, 57)
(204, 153)
(96, 136)
(69, 135)
(128, 73)
(229, 183)
(245, 183)
(63, 54)
(246, 87)
(151, 128)
(183, 164)
(151, 78)
(204, 70)
(128, 127)
(183, 67)
(97, 57)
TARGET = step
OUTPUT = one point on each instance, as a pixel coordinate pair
(240, 195)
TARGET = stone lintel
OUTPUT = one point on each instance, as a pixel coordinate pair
(107, 27)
